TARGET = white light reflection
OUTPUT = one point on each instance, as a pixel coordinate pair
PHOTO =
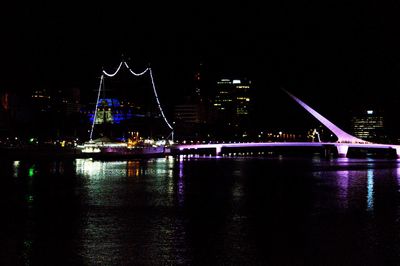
(88, 167)
(158, 166)
(161, 169)
(170, 164)
(370, 189)
(181, 185)
(57, 167)
(16, 168)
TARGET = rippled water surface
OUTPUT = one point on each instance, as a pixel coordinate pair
(200, 211)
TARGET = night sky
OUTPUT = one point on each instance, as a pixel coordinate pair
(332, 55)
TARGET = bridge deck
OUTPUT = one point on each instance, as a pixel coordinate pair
(282, 144)
(342, 148)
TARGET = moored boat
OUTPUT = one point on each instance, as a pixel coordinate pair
(105, 149)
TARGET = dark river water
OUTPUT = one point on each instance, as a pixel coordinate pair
(200, 211)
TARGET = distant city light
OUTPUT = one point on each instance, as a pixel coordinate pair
(236, 81)
(370, 112)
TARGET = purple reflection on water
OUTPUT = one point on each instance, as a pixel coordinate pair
(398, 178)
(343, 183)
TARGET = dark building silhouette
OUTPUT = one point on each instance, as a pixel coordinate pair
(193, 115)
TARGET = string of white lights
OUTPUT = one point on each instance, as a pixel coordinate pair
(115, 73)
(158, 101)
(95, 109)
(136, 74)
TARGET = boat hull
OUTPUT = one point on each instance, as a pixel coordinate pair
(36, 153)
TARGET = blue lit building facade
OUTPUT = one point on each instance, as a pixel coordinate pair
(112, 111)
(117, 119)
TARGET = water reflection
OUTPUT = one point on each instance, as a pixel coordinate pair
(370, 189)
(133, 201)
(181, 183)
(133, 168)
(16, 168)
(200, 211)
(343, 185)
(355, 182)
(57, 167)
(397, 174)
(31, 171)
(90, 168)
(35, 202)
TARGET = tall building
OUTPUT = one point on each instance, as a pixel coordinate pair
(14, 113)
(69, 100)
(64, 101)
(199, 82)
(41, 100)
(192, 114)
(192, 109)
(369, 125)
(233, 101)
(56, 112)
(188, 113)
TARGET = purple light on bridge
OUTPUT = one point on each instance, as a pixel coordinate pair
(345, 140)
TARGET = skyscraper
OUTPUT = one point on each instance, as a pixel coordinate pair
(232, 103)
(232, 100)
(369, 125)
(191, 115)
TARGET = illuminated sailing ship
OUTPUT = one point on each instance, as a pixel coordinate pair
(108, 113)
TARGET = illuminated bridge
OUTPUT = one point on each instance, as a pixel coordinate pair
(341, 146)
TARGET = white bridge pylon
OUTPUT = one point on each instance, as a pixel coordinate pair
(104, 73)
(343, 137)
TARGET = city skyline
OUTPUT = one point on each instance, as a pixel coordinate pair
(196, 133)
(334, 57)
